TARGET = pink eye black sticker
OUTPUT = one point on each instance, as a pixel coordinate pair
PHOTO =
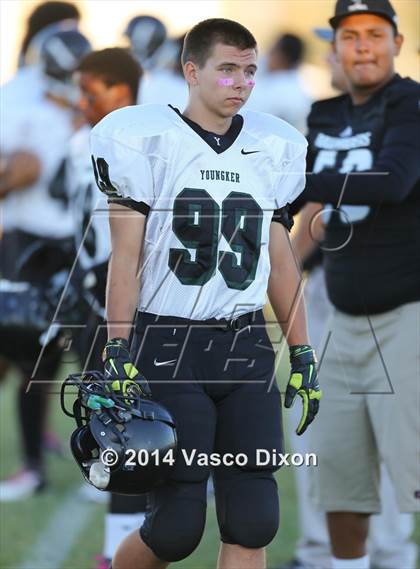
(228, 82)
(225, 82)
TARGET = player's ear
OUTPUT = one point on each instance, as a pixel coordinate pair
(398, 41)
(190, 73)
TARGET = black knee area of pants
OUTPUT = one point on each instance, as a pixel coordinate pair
(121, 504)
(248, 509)
(175, 520)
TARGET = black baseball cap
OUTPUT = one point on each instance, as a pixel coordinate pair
(382, 8)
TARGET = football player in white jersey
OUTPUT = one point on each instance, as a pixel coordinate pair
(28, 84)
(108, 80)
(35, 215)
(195, 204)
(281, 90)
(165, 83)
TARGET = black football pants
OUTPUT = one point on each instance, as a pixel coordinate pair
(218, 383)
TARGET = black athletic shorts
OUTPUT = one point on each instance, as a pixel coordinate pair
(218, 381)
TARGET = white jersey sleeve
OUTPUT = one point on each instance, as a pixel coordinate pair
(122, 147)
(291, 174)
(287, 148)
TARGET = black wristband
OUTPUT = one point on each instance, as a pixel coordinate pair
(302, 354)
(115, 348)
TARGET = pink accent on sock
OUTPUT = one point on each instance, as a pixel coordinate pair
(225, 82)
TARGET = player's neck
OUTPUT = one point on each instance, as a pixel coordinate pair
(207, 119)
(360, 96)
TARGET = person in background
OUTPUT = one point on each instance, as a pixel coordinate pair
(44, 15)
(370, 365)
(28, 85)
(389, 539)
(108, 79)
(165, 83)
(146, 34)
(36, 217)
(280, 91)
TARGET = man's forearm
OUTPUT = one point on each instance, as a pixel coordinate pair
(308, 232)
(122, 296)
(18, 171)
(285, 287)
(286, 297)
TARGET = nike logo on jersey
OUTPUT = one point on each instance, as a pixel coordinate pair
(168, 363)
(250, 151)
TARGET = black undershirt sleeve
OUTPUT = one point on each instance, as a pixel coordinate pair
(140, 207)
(393, 175)
(283, 216)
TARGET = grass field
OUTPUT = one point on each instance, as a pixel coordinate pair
(37, 532)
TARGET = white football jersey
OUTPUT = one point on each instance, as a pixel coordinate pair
(88, 204)
(44, 129)
(206, 240)
(27, 86)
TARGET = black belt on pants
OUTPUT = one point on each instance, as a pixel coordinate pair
(235, 324)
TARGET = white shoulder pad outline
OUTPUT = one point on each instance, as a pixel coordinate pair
(264, 125)
(129, 124)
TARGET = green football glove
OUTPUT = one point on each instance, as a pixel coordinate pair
(121, 375)
(303, 382)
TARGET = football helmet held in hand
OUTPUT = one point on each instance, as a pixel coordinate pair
(121, 374)
(125, 445)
